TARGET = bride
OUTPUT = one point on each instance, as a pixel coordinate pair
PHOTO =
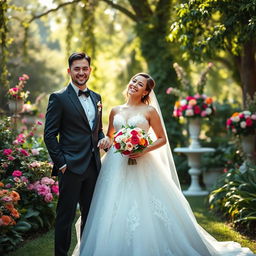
(139, 210)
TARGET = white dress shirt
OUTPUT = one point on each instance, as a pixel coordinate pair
(87, 104)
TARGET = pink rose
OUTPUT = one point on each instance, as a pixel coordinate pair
(35, 152)
(16, 173)
(203, 113)
(24, 152)
(169, 90)
(197, 110)
(24, 179)
(39, 123)
(253, 117)
(43, 190)
(47, 181)
(55, 189)
(16, 179)
(188, 98)
(48, 197)
(229, 122)
(30, 186)
(6, 199)
(7, 151)
(11, 158)
(248, 122)
(8, 185)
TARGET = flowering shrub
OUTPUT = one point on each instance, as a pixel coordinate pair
(194, 106)
(243, 123)
(24, 168)
(129, 140)
(17, 93)
(8, 213)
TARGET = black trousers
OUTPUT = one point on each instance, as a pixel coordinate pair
(73, 188)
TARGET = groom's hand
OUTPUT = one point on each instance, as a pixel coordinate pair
(104, 143)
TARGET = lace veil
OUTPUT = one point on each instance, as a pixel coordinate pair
(164, 153)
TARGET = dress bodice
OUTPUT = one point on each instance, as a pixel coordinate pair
(137, 120)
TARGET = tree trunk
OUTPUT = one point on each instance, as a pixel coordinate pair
(248, 69)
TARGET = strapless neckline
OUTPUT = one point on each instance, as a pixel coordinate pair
(132, 117)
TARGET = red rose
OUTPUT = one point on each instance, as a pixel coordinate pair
(197, 110)
(120, 133)
(248, 121)
(135, 140)
(134, 132)
(126, 152)
(117, 146)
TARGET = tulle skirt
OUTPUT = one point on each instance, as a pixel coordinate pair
(137, 210)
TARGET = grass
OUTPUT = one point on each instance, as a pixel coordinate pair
(43, 245)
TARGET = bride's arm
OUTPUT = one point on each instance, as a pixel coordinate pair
(107, 141)
(155, 123)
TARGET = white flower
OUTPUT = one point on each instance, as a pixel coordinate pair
(119, 138)
(208, 111)
(243, 124)
(247, 113)
(235, 119)
(129, 146)
(183, 102)
(189, 112)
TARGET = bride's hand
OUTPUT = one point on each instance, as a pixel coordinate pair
(104, 143)
(138, 154)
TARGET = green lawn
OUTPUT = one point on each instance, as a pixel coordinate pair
(43, 245)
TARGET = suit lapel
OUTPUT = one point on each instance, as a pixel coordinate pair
(74, 98)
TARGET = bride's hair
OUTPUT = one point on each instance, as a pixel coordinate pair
(149, 86)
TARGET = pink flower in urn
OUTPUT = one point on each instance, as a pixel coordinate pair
(48, 197)
(55, 189)
(253, 116)
(203, 113)
(249, 122)
(241, 116)
(16, 173)
(7, 151)
(197, 110)
(188, 98)
(229, 122)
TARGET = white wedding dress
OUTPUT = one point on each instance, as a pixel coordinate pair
(137, 210)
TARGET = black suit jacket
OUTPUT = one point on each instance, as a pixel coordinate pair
(68, 136)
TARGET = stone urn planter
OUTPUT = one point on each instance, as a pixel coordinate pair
(15, 106)
(194, 127)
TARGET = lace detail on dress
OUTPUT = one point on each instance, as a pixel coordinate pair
(161, 212)
(132, 222)
(137, 120)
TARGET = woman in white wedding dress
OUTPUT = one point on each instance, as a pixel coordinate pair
(139, 210)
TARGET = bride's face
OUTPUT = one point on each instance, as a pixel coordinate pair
(137, 86)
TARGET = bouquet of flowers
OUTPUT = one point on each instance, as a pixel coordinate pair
(194, 106)
(129, 140)
(243, 123)
(17, 93)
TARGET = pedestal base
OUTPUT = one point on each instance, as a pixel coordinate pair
(195, 193)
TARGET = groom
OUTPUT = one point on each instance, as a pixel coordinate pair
(73, 134)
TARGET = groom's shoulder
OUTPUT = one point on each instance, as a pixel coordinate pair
(61, 91)
(96, 94)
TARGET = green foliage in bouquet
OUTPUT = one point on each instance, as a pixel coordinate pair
(235, 198)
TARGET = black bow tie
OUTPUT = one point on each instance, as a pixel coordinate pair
(86, 93)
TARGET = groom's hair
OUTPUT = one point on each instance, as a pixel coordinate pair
(78, 56)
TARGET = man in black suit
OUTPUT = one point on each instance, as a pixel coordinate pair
(75, 115)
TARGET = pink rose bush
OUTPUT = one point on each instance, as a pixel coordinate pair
(242, 123)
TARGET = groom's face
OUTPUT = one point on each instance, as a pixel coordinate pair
(79, 72)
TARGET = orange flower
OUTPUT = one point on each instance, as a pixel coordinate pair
(15, 196)
(1, 184)
(177, 104)
(142, 141)
(15, 213)
(9, 206)
(6, 220)
(235, 114)
(3, 191)
(192, 102)
(208, 100)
